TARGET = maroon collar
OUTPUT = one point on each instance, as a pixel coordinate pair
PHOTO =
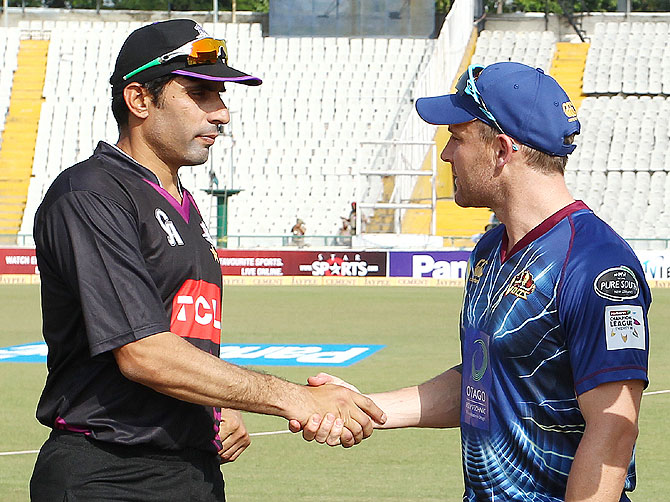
(539, 230)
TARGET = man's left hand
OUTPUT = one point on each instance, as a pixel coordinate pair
(233, 434)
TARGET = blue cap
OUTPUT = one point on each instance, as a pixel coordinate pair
(529, 105)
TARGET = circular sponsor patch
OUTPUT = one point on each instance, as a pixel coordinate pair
(618, 283)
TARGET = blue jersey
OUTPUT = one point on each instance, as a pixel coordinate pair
(563, 312)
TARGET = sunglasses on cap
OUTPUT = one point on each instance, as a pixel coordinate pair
(199, 51)
(467, 84)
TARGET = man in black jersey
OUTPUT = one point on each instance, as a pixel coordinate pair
(140, 404)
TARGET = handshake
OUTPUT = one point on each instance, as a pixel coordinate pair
(345, 416)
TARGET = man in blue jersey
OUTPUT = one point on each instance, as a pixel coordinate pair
(554, 333)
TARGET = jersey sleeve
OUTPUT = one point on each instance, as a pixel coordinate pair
(92, 243)
(603, 305)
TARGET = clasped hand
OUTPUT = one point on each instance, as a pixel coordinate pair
(352, 419)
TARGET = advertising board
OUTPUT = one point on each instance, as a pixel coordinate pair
(299, 263)
(18, 261)
(436, 264)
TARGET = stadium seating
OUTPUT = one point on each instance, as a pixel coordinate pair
(9, 49)
(620, 168)
(293, 144)
(533, 48)
(629, 58)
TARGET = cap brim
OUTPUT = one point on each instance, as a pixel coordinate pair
(218, 72)
(447, 109)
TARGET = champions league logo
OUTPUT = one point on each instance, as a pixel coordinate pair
(624, 327)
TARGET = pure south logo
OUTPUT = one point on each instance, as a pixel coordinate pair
(617, 284)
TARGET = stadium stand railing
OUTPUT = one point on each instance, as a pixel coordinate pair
(441, 68)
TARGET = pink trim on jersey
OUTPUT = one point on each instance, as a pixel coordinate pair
(188, 194)
(216, 412)
(184, 208)
(62, 425)
(539, 230)
(244, 78)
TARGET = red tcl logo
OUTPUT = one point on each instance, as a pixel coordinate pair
(196, 311)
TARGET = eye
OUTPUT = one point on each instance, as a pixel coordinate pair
(198, 91)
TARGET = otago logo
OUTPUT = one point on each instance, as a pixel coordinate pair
(478, 373)
(570, 111)
(522, 285)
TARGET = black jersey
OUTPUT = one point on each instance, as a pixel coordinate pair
(120, 259)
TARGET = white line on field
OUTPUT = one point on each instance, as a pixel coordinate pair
(5, 453)
(252, 434)
(656, 392)
(272, 433)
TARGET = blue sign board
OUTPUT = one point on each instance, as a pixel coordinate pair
(437, 264)
(243, 354)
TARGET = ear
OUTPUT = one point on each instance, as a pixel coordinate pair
(506, 148)
(137, 100)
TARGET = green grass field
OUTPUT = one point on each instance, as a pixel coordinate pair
(418, 327)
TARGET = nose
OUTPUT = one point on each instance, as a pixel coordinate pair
(221, 115)
(446, 153)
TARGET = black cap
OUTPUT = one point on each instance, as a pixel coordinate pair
(152, 41)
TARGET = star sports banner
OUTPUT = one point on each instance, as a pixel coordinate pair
(312, 263)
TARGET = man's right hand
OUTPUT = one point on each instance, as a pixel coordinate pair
(347, 416)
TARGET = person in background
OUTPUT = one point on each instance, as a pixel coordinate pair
(298, 231)
(352, 219)
(344, 233)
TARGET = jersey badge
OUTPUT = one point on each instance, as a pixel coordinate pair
(522, 285)
(477, 380)
(196, 311)
(478, 271)
(173, 237)
(618, 284)
(624, 327)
